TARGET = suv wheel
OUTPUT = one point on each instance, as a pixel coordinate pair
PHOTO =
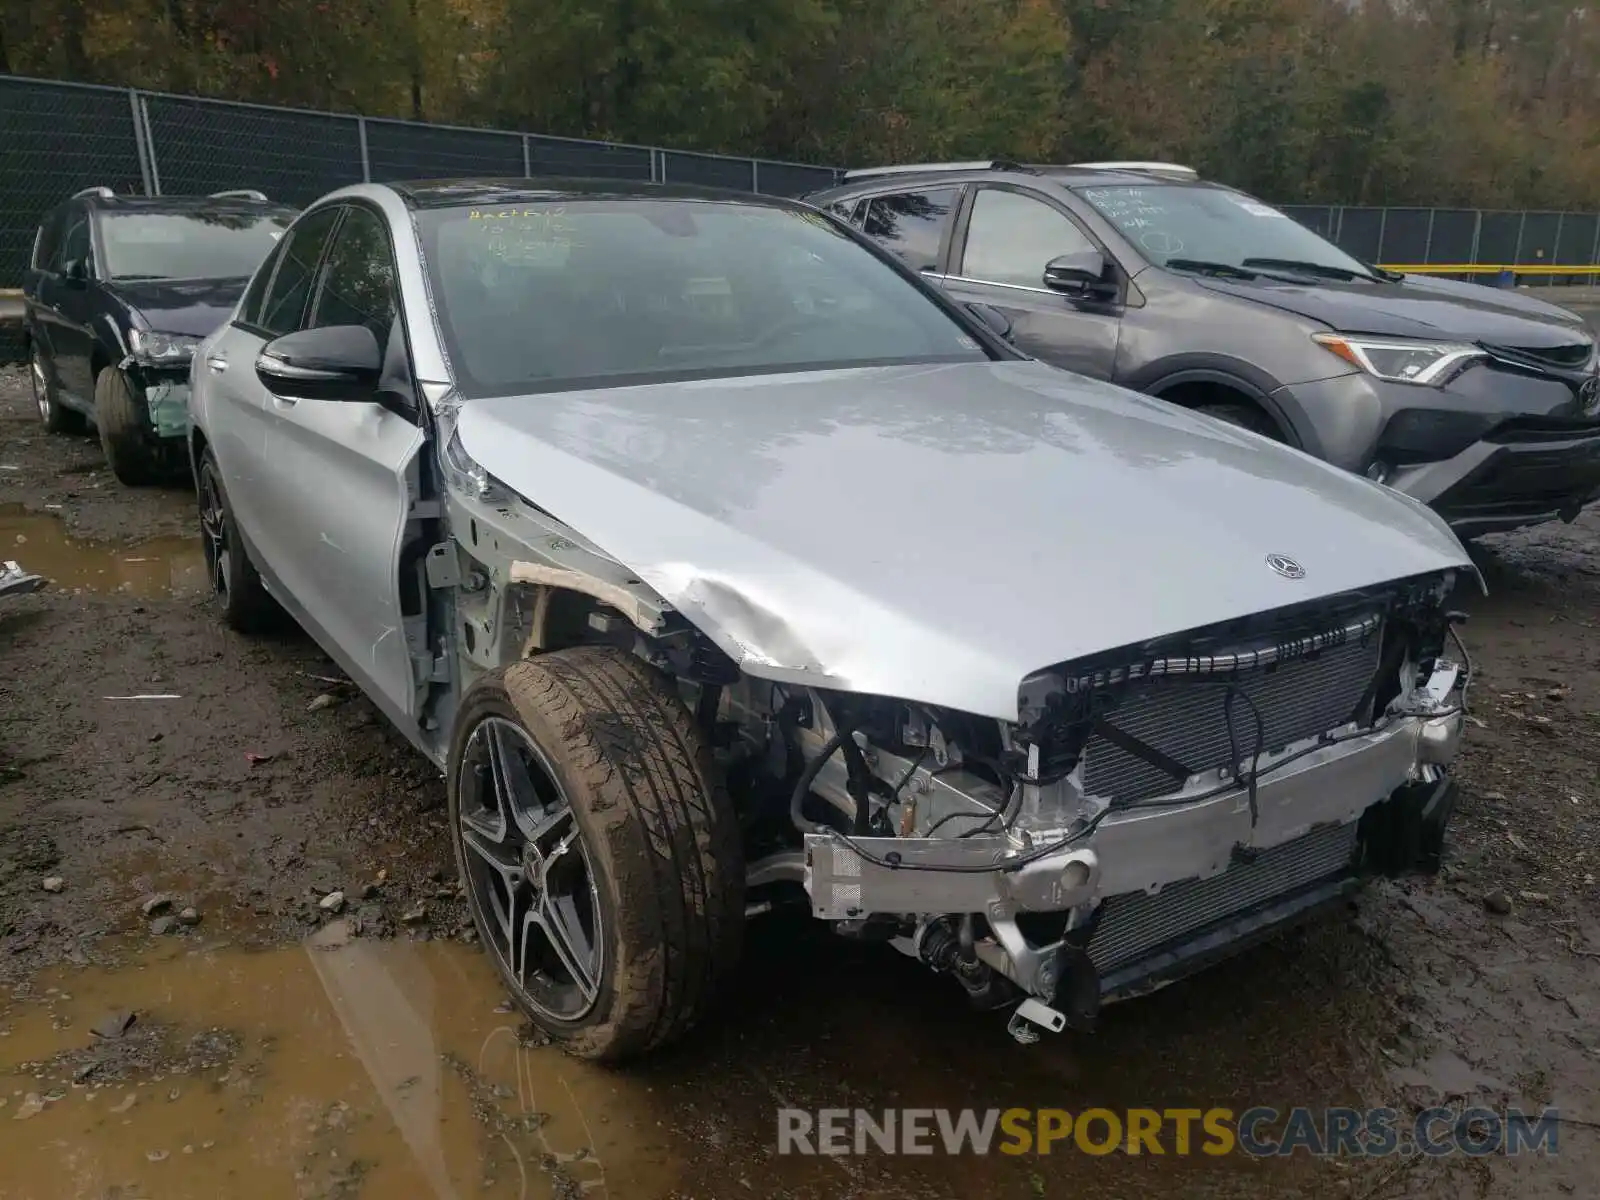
(124, 435)
(235, 585)
(599, 849)
(56, 418)
(1246, 416)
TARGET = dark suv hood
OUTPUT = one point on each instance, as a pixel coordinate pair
(192, 306)
(1420, 307)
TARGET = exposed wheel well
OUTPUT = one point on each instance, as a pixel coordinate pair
(1215, 394)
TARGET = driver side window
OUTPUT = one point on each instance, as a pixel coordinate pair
(1010, 237)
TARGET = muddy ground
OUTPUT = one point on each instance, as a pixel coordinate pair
(279, 1049)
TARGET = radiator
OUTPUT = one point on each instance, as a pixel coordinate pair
(1184, 718)
(1132, 925)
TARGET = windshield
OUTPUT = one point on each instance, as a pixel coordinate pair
(559, 295)
(1212, 225)
(205, 244)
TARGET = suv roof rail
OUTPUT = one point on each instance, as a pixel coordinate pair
(920, 168)
(100, 190)
(239, 194)
(1174, 170)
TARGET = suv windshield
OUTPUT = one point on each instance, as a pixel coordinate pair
(1214, 226)
(204, 244)
(535, 297)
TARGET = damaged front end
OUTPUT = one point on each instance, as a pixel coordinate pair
(1149, 813)
(157, 366)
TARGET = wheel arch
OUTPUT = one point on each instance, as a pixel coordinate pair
(1187, 379)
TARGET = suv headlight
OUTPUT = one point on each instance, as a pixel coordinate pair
(162, 349)
(1399, 361)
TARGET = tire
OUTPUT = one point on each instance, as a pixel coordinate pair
(236, 589)
(56, 418)
(1246, 416)
(612, 781)
(124, 431)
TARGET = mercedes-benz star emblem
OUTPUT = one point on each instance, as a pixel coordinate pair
(1286, 566)
(1589, 395)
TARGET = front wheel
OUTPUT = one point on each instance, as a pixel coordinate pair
(236, 588)
(1245, 416)
(124, 435)
(599, 848)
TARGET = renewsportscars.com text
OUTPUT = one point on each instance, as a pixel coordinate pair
(1258, 1132)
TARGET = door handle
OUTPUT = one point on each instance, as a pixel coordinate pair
(217, 363)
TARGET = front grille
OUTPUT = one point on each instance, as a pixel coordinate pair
(1185, 719)
(1133, 925)
(1562, 358)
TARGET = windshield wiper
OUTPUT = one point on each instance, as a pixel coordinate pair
(1321, 270)
(1202, 267)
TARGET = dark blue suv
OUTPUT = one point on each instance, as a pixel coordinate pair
(118, 293)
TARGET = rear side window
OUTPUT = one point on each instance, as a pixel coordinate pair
(358, 277)
(1010, 237)
(911, 224)
(285, 302)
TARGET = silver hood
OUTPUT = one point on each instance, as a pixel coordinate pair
(937, 533)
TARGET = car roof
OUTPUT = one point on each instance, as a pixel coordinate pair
(451, 193)
(1065, 176)
(183, 204)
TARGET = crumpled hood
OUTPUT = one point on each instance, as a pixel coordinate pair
(1419, 307)
(191, 306)
(937, 533)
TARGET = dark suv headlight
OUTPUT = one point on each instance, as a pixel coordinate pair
(161, 349)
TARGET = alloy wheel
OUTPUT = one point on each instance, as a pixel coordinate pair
(529, 872)
(41, 385)
(214, 533)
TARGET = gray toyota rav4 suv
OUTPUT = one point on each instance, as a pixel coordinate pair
(1484, 404)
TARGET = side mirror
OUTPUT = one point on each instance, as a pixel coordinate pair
(336, 362)
(993, 319)
(1081, 273)
(75, 271)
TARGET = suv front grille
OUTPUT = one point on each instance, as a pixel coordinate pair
(1184, 717)
(1571, 357)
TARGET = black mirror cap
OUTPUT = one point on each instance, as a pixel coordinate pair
(995, 321)
(335, 362)
(75, 270)
(1080, 272)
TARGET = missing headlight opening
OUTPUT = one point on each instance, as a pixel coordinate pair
(1149, 810)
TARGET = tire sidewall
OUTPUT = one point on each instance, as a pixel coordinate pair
(126, 438)
(489, 697)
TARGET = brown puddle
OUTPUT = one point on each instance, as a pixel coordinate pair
(159, 567)
(362, 1068)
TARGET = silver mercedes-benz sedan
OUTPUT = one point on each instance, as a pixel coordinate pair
(717, 560)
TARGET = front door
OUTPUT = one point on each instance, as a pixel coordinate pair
(239, 409)
(999, 260)
(338, 485)
(71, 336)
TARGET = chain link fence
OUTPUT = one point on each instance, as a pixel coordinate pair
(56, 138)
